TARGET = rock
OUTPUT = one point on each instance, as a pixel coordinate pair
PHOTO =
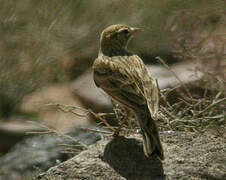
(42, 152)
(186, 72)
(93, 97)
(14, 131)
(109, 159)
(39, 101)
(188, 156)
(36, 105)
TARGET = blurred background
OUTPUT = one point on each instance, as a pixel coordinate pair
(47, 49)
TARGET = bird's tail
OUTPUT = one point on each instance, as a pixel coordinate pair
(149, 130)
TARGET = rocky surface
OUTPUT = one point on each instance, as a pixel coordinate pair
(42, 103)
(14, 131)
(188, 156)
(41, 152)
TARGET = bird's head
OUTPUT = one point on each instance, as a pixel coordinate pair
(114, 39)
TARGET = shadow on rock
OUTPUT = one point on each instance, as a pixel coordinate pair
(126, 157)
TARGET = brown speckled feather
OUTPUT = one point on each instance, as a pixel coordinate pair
(126, 79)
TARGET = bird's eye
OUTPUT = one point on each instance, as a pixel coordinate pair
(126, 31)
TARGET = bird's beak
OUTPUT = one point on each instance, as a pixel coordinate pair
(135, 30)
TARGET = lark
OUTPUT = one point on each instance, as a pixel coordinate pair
(124, 77)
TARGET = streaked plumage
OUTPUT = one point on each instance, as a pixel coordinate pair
(125, 78)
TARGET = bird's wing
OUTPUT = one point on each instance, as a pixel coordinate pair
(126, 79)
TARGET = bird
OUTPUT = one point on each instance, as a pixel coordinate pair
(125, 78)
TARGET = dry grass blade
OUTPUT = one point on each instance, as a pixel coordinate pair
(82, 112)
(48, 130)
(96, 131)
(72, 109)
(192, 111)
(211, 106)
(102, 120)
(182, 84)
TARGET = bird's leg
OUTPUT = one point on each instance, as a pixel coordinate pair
(125, 119)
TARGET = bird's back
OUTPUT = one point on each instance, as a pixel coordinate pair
(127, 77)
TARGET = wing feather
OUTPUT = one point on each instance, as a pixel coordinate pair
(126, 79)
